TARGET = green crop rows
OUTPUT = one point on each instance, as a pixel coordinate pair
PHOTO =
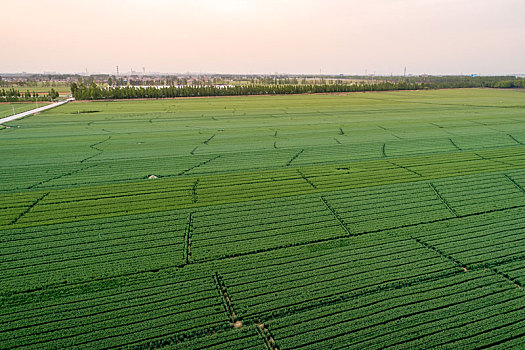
(6, 109)
(351, 221)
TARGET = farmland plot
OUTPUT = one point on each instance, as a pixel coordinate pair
(375, 220)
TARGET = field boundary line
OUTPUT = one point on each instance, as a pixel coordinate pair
(194, 191)
(518, 186)
(514, 139)
(266, 335)
(226, 300)
(443, 200)
(295, 157)
(198, 165)
(436, 125)
(28, 209)
(493, 160)
(406, 168)
(208, 139)
(441, 253)
(306, 179)
(188, 232)
(336, 216)
(454, 144)
(516, 282)
(61, 176)
(94, 147)
(443, 129)
(88, 158)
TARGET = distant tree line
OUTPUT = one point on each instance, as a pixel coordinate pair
(93, 91)
(14, 95)
(461, 81)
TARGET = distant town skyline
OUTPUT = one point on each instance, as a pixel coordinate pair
(379, 37)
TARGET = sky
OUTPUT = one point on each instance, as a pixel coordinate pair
(485, 37)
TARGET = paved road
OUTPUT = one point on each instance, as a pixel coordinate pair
(33, 111)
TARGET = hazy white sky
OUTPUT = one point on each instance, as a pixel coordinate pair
(263, 36)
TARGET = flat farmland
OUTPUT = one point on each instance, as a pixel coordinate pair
(347, 221)
(6, 109)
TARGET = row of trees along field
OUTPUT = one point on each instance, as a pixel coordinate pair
(94, 92)
(13, 95)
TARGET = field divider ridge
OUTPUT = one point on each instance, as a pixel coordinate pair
(198, 165)
(441, 253)
(493, 160)
(266, 335)
(516, 282)
(188, 232)
(194, 191)
(94, 147)
(226, 300)
(208, 139)
(518, 186)
(61, 176)
(28, 209)
(306, 179)
(443, 200)
(514, 139)
(336, 216)
(295, 157)
(454, 144)
(406, 168)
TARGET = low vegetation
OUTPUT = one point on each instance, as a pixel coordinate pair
(373, 220)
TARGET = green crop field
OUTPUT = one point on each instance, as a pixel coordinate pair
(347, 221)
(6, 109)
